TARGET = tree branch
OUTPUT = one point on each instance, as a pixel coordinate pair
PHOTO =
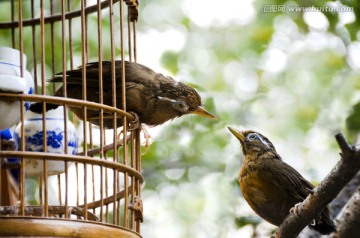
(336, 205)
(350, 223)
(327, 190)
(339, 202)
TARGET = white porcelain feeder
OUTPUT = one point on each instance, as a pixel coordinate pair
(55, 140)
(12, 82)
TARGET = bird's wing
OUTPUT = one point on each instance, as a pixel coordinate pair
(287, 177)
(134, 72)
(74, 76)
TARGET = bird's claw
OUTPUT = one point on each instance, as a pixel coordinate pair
(134, 124)
(295, 209)
(147, 137)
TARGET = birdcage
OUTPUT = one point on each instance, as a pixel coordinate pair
(61, 175)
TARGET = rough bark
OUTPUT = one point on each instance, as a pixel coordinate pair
(350, 219)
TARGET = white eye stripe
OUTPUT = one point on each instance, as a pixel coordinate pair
(264, 142)
(166, 99)
(259, 137)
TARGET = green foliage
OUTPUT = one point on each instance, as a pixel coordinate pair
(169, 61)
(247, 220)
(31, 191)
(353, 120)
(275, 74)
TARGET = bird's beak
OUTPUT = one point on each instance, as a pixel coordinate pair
(238, 134)
(202, 112)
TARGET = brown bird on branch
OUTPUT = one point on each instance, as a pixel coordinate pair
(153, 97)
(270, 186)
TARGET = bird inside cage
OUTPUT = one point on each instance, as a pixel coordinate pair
(152, 97)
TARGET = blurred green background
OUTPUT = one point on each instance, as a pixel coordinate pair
(291, 75)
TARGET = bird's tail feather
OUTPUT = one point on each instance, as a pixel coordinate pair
(324, 225)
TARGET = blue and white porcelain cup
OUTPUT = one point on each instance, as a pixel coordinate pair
(12, 82)
(55, 140)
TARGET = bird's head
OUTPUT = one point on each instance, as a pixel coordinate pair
(184, 100)
(252, 142)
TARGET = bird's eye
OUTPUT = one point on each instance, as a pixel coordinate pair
(181, 105)
(253, 136)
